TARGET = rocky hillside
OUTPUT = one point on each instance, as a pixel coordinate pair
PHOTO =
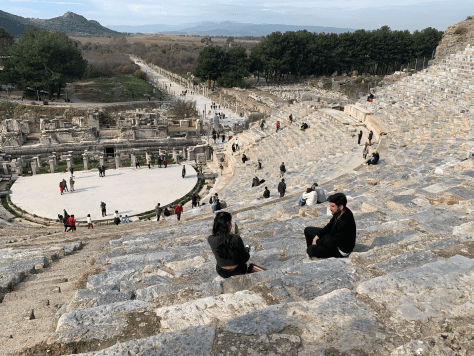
(455, 39)
(70, 23)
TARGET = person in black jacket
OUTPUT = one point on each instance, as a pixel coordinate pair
(337, 238)
(282, 188)
(229, 250)
(360, 137)
(374, 159)
(266, 193)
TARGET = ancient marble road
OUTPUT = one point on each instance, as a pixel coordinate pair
(130, 191)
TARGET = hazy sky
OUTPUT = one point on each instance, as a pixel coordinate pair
(398, 15)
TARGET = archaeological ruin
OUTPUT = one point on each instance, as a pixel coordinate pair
(150, 287)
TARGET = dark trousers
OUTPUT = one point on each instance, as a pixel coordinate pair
(71, 228)
(103, 212)
(316, 250)
(282, 194)
(178, 215)
(158, 217)
(226, 273)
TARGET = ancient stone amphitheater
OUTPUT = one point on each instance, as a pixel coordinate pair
(150, 288)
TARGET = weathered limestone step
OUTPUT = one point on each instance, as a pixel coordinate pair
(208, 311)
(192, 341)
(436, 290)
(110, 321)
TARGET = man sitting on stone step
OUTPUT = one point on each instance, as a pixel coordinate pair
(337, 238)
(374, 159)
(321, 196)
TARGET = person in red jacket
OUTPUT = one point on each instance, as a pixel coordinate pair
(166, 162)
(178, 210)
(277, 126)
(71, 223)
(61, 187)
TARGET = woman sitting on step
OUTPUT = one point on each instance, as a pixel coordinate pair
(229, 250)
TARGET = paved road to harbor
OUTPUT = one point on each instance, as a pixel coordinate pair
(130, 191)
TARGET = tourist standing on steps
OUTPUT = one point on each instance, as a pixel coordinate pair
(282, 188)
(194, 201)
(158, 211)
(277, 126)
(282, 169)
(89, 222)
(365, 151)
(229, 250)
(183, 172)
(178, 211)
(233, 147)
(360, 137)
(291, 118)
(338, 237)
(371, 134)
(102, 208)
(237, 144)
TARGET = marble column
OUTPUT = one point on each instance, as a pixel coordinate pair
(133, 159)
(33, 166)
(85, 159)
(117, 161)
(69, 162)
(52, 166)
(101, 160)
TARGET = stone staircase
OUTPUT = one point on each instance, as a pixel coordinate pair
(405, 290)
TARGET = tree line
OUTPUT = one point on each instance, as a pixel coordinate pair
(301, 54)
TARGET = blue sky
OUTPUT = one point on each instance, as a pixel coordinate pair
(398, 15)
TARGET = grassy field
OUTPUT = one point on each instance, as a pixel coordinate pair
(115, 89)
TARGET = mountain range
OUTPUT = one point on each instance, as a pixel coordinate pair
(70, 23)
(227, 28)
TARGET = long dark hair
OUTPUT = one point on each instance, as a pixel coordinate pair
(221, 229)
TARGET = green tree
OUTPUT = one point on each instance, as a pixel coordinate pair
(210, 64)
(43, 59)
(6, 40)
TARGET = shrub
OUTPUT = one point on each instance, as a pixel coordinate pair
(140, 74)
(461, 30)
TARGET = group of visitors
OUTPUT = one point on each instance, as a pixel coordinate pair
(163, 160)
(118, 219)
(63, 185)
(336, 239)
(67, 220)
(235, 145)
(313, 195)
(160, 212)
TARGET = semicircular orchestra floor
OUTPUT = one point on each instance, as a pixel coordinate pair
(128, 190)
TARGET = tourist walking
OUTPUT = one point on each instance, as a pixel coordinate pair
(371, 134)
(100, 171)
(360, 137)
(237, 144)
(338, 237)
(282, 169)
(158, 211)
(166, 162)
(102, 209)
(365, 151)
(72, 172)
(103, 171)
(233, 147)
(183, 171)
(71, 223)
(89, 222)
(277, 126)
(221, 167)
(282, 188)
(71, 184)
(61, 187)
(178, 211)
(65, 185)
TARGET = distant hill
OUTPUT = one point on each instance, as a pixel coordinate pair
(70, 23)
(227, 28)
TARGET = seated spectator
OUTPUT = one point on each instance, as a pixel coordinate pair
(244, 158)
(337, 238)
(320, 193)
(374, 159)
(304, 126)
(266, 193)
(308, 197)
(229, 250)
(126, 220)
(255, 182)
